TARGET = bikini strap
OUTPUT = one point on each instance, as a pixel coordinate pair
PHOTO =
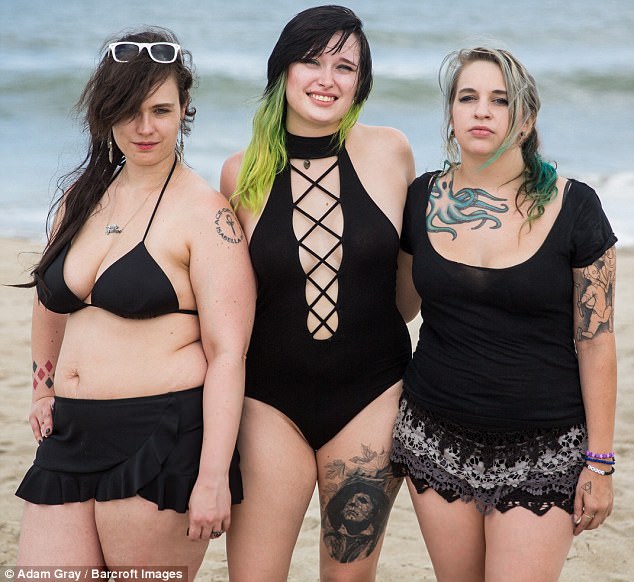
(167, 181)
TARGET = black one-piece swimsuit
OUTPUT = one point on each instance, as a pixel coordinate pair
(327, 337)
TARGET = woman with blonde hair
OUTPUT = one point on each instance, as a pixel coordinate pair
(506, 425)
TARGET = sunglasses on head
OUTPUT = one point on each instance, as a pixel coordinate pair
(160, 52)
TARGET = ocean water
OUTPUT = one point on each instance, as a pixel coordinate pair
(581, 54)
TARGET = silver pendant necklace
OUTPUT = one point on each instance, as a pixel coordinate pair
(306, 164)
(113, 229)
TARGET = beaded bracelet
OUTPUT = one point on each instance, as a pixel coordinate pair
(592, 455)
(602, 461)
(599, 471)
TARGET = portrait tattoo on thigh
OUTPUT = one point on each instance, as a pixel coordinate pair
(356, 504)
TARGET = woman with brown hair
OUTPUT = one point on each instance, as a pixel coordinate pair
(142, 317)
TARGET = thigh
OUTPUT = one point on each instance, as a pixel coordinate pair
(279, 475)
(522, 546)
(59, 535)
(356, 490)
(134, 532)
(454, 535)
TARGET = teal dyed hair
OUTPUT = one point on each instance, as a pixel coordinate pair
(538, 186)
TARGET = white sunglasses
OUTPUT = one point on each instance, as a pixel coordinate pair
(160, 52)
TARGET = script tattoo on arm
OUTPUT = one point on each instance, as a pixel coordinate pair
(467, 205)
(594, 289)
(43, 375)
(356, 503)
(227, 226)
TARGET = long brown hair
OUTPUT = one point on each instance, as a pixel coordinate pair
(114, 93)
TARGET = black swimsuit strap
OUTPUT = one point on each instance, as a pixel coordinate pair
(167, 181)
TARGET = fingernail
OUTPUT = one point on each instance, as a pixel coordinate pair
(39, 442)
(48, 431)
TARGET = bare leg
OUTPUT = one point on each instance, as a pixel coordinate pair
(357, 490)
(454, 535)
(522, 546)
(279, 475)
(59, 535)
(135, 533)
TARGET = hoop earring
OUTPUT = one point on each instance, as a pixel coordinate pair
(110, 149)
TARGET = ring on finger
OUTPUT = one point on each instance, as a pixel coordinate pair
(216, 534)
(590, 517)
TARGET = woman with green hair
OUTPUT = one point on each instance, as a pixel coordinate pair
(320, 197)
(506, 424)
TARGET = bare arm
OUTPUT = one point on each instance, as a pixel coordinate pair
(596, 349)
(47, 333)
(224, 285)
(407, 298)
(229, 175)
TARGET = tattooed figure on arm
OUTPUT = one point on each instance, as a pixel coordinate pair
(506, 424)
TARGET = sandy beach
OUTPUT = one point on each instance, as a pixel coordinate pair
(605, 554)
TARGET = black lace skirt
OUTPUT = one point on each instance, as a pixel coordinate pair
(113, 449)
(536, 468)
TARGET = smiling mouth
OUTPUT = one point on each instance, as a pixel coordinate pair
(322, 98)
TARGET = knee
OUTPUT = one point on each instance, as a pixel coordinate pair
(362, 570)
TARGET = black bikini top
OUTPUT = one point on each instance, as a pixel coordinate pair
(133, 287)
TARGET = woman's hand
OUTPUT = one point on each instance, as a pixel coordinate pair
(209, 510)
(594, 499)
(41, 417)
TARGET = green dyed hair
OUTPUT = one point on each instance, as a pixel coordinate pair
(539, 184)
(304, 37)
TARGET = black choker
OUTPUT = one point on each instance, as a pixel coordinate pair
(308, 148)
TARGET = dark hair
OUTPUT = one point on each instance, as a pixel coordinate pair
(304, 37)
(380, 502)
(114, 93)
(307, 35)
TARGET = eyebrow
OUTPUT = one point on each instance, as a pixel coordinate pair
(470, 90)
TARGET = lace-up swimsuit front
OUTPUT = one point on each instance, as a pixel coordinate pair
(327, 337)
(133, 287)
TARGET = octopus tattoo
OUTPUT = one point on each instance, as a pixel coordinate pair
(466, 205)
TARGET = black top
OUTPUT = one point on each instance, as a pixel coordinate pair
(133, 287)
(322, 383)
(496, 346)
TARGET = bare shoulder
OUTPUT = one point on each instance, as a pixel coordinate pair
(373, 148)
(229, 173)
(206, 213)
(199, 198)
(386, 140)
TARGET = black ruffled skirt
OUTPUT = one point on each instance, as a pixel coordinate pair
(113, 449)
